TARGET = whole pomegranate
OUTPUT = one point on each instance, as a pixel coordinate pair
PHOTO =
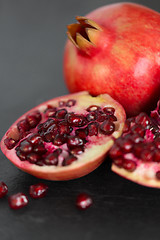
(64, 138)
(116, 50)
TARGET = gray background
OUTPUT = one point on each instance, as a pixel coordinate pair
(32, 38)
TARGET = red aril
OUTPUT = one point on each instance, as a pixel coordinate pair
(18, 201)
(3, 189)
(83, 201)
(115, 50)
(65, 144)
(38, 190)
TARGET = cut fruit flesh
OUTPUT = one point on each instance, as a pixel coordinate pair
(95, 147)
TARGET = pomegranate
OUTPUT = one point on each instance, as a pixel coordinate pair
(136, 154)
(115, 50)
(66, 137)
(83, 201)
(18, 201)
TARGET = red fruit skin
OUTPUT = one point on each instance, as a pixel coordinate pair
(126, 60)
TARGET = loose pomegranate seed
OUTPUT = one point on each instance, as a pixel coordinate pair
(70, 103)
(38, 190)
(129, 165)
(93, 129)
(3, 189)
(107, 127)
(33, 119)
(93, 108)
(83, 201)
(143, 120)
(60, 114)
(69, 160)
(10, 143)
(25, 147)
(18, 200)
(74, 142)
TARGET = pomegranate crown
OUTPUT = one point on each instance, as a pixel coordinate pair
(82, 34)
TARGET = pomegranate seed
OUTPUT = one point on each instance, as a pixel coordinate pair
(115, 151)
(50, 134)
(10, 143)
(126, 127)
(21, 155)
(92, 116)
(129, 165)
(137, 149)
(74, 141)
(50, 112)
(23, 126)
(158, 175)
(25, 147)
(83, 201)
(146, 155)
(143, 120)
(69, 160)
(62, 103)
(112, 118)
(101, 117)
(118, 162)
(40, 149)
(38, 190)
(109, 110)
(126, 145)
(107, 127)
(33, 119)
(3, 189)
(33, 157)
(77, 151)
(82, 133)
(64, 128)
(70, 103)
(136, 138)
(51, 159)
(93, 129)
(35, 139)
(93, 108)
(47, 124)
(59, 140)
(157, 143)
(60, 114)
(76, 120)
(157, 155)
(138, 129)
(18, 200)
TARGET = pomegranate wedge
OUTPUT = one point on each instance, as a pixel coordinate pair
(66, 137)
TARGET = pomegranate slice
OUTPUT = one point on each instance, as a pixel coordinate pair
(65, 144)
(136, 154)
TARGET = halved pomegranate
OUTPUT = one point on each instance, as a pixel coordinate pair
(66, 137)
(136, 154)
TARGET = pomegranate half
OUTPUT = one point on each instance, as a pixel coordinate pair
(66, 137)
(136, 154)
(115, 50)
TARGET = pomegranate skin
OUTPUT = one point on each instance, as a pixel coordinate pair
(124, 59)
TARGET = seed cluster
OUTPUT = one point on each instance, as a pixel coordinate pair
(141, 138)
(67, 132)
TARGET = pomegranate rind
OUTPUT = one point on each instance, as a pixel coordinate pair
(89, 160)
(143, 175)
